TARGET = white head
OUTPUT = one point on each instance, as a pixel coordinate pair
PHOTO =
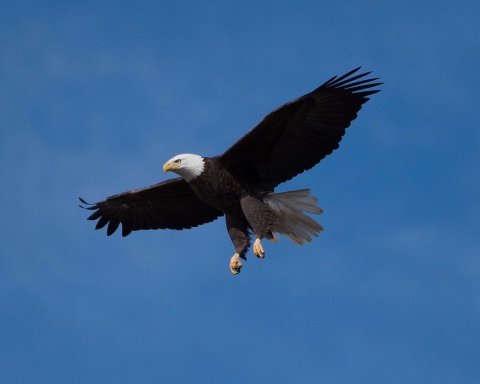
(187, 165)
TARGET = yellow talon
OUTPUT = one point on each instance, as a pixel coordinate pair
(258, 249)
(235, 264)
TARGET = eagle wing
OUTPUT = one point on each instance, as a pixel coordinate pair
(296, 136)
(170, 204)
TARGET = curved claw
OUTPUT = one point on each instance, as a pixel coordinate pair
(235, 264)
(258, 249)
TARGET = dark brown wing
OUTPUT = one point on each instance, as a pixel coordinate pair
(296, 136)
(167, 205)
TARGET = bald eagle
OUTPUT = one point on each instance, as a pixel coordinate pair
(240, 183)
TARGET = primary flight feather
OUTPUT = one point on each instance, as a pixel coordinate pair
(239, 184)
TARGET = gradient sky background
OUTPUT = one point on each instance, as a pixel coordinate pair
(94, 98)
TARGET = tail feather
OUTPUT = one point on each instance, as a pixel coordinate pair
(293, 223)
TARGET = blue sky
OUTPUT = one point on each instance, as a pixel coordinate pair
(94, 98)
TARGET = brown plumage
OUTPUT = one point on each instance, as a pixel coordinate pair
(170, 204)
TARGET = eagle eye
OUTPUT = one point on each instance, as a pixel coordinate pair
(177, 161)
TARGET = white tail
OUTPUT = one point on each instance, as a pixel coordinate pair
(293, 223)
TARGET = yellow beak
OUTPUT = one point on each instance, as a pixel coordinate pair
(167, 167)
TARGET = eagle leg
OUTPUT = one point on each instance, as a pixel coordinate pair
(258, 249)
(235, 264)
(261, 219)
(238, 232)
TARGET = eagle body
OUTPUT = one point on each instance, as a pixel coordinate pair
(243, 205)
(218, 188)
(240, 183)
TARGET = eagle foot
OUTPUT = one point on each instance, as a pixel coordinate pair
(258, 249)
(235, 264)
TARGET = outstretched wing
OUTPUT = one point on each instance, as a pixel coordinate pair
(296, 136)
(170, 204)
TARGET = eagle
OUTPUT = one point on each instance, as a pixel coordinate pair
(240, 183)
